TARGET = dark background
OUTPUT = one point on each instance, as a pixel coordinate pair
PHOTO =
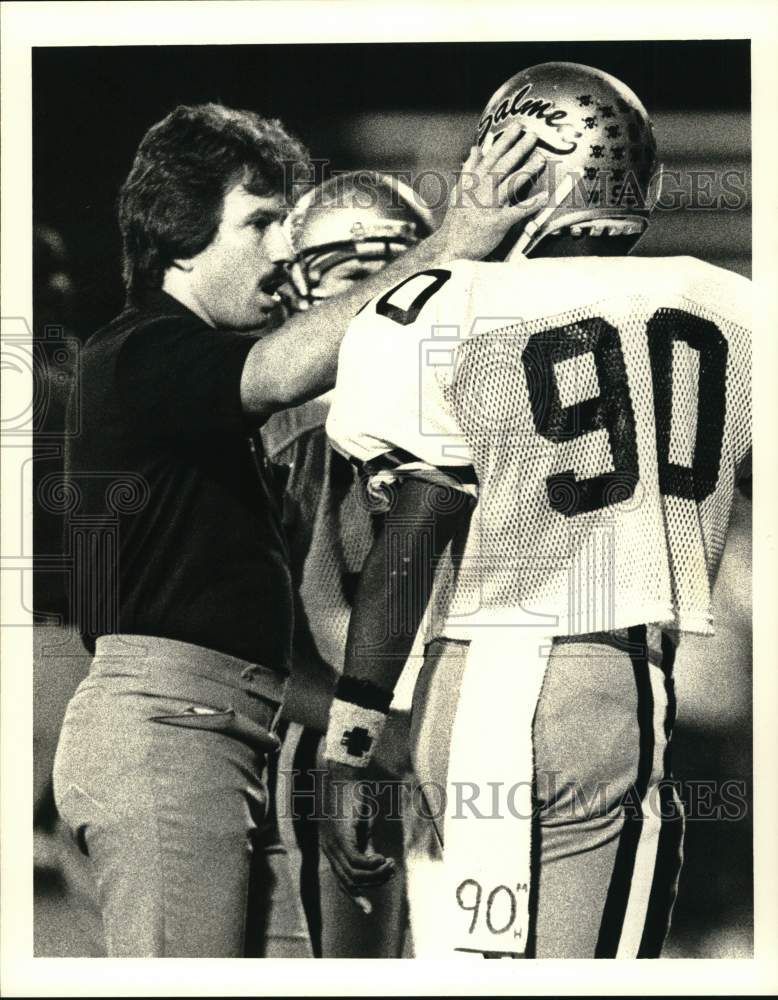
(91, 106)
(390, 107)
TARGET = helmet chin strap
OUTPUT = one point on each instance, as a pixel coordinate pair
(655, 187)
(530, 232)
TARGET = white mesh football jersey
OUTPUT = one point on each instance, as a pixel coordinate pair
(604, 405)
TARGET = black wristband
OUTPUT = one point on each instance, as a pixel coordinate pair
(364, 693)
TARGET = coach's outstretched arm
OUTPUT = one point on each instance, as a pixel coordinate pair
(300, 360)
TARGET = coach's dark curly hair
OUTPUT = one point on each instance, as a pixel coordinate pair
(170, 205)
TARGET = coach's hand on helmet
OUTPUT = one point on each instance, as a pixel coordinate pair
(483, 206)
(349, 810)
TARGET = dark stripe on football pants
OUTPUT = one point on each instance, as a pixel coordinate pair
(665, 884)
(616, 901)
(534, 887)
(669, 855)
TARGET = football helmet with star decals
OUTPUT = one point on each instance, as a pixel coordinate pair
(362, 216)
(601, 174)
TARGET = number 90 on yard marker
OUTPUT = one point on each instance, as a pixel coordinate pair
(500, 908)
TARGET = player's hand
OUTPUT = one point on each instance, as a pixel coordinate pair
(482, 206)
(345, 834)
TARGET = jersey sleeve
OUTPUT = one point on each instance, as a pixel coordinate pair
(392, 406)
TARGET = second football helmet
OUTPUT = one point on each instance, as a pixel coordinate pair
(600, 145)
(361, 215)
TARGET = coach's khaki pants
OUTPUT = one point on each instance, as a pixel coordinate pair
(159, 773)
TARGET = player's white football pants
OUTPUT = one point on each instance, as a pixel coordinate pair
(609, 824)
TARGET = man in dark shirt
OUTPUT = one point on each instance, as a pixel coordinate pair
(203, 558)
(181, 580)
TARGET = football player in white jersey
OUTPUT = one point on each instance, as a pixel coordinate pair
(571, 423)
(340, 232)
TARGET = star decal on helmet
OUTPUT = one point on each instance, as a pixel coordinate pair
(603, 126)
